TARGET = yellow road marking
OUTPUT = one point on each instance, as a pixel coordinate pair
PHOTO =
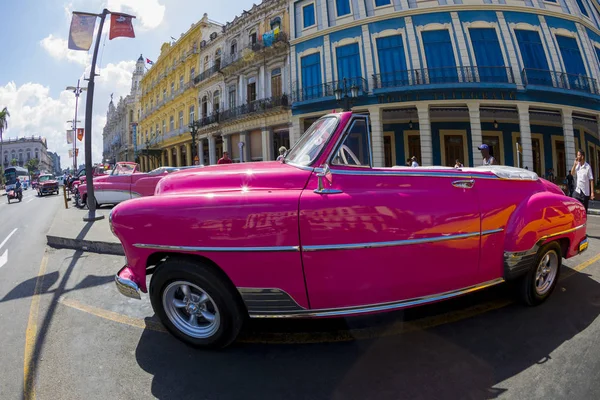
(397, 328)
(31, 333)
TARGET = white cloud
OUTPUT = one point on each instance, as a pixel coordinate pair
(35, 112)
(149, 13)
(58, 49)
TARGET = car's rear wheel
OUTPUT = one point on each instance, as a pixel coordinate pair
(540, 281)
(196, 304)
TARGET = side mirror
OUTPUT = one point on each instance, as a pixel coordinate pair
(325, 175)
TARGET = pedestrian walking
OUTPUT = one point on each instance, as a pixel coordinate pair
(488, 159)
(570, 184)
(584, 180)
(225, 159)
(413, 162)
(282, 151)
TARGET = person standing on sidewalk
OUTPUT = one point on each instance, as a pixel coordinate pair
(584, 180)
(570, 184)
(225, 159)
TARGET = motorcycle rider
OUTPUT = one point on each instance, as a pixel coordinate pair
(18, 188)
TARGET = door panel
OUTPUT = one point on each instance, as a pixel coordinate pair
(386, 205)
(114, 188)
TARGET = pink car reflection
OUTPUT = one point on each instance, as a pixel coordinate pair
(325, 233)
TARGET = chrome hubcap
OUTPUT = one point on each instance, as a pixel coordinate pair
(191, 309)
(545, 273)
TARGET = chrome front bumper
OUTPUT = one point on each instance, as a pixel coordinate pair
(127, 287)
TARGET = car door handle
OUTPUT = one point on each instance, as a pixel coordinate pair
(464, 184)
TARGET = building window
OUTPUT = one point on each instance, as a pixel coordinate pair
(276, 82)
(192, 114)
(192, 73)
(308, 14)
(151, 132)
(276, 23)
(157, 131)
(204, 107)
(574, 67)
(205, 63)
(171, 123)
(251, 90)
(218, 59)
(164, 126)
(233, 48)
(311, 76)
(151, 103)
(441, 66)
(348, 62)
(342, 7)
(252, 37)
(180, 119)
(232, 94)
(156, 98)
(534, 58)
(216, 101)
(172, 88)
(380, 3)
(165, 94)
(582, 8)
(181, 82)
(392, 61)
(490, 63)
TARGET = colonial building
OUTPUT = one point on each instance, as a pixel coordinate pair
(169, 99)
(121, 121)
(439, 78)
(55, 163)
(24, 149)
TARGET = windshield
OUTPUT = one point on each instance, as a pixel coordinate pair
(10, 177)
(313, 141)
(44, 178)
(123, 169)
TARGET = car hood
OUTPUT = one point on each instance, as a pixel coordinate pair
(269, 175)
(48, 183)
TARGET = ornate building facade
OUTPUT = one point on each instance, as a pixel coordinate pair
(24, 149)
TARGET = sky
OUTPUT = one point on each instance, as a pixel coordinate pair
(36, 65)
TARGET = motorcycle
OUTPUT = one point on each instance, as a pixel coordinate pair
(14, 194)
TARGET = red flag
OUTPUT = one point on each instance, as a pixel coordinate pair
(80, 134)
(149, 61)
(120, 25)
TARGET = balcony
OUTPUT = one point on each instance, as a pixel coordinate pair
(257, 106)
(327, 89)
(264, 44)
(207, 74)
(443, 76)
(560, 80)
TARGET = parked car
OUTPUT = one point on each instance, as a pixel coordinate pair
(123, 183)
(47, 185)
(324, 233)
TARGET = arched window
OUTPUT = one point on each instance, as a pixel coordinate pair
(205, 63)
(276, 23)
(216, 101)
(28, 155)
(252, 36)
(218, 59)
(233, 48)
(204, 106)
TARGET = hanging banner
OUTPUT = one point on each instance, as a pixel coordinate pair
(120, 26)
(70, 136)
(70, 153)
(80, 134)
(82, 31)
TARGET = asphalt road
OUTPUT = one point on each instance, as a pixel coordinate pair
(88, 341)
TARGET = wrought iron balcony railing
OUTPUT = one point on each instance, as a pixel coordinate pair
(449, 75)
(207, 74)
(328, 89)
(266, 42)
(560, 80)
(257, 106)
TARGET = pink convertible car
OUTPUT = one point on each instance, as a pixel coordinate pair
(327, 234)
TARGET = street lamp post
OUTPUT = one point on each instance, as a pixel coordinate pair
(346, 94)
(194, 126)
(77, 90)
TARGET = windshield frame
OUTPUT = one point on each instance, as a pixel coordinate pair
(306, 137)
(122, 166)
(48, 178)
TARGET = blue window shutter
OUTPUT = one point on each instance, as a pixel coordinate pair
(441, 66)
(574, 67)
(308, 13)
(348, 62)
(343, 7)
(534, 58)
(311, 76)
(392, 62)
(379, 3)
(490, 63)
(582, 8)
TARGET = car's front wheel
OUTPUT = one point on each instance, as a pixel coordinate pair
(540, 281)
(196, 304)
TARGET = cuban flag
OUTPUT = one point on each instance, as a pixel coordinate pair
(148, 61)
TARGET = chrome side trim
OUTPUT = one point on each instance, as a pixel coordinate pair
(464, 183)
(407, 242)
(492, 231)
(562, 232)
(348, 311)
(261, 300)
(217, 249)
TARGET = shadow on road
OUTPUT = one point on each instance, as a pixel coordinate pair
(465, 359)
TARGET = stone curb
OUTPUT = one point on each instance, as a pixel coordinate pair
(593, 211)
(85, 245)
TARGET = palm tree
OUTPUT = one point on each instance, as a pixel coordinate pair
(4, 114)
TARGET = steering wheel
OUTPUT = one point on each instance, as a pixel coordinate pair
(345, 149)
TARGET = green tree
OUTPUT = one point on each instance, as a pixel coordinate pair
(14, 162)
(4, 114)
(32, 166)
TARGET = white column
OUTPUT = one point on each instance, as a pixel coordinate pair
(404, 4)
(551, 47)
(376, 115)
(189, 160)
(361, 9)
(476, 138)
(201, 151)
(568, 133)
(212, 151)
(526, 136)
(292, 79)
(324, 16)
(179, 160)
(241, 93)
(170, 157)
(292, 19)
(227, 145)
(267, 144)
(245, 138)
(261, 83)
(368, 54)
(328, 64)
(512, 54)
(460, 40)
(414, 49)
(425, 135)
(296, 131)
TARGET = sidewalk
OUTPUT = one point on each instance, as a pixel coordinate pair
(594, 207)
(69, 231)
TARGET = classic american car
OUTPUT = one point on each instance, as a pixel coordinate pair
(325, 233)
(123, 183)
(47, 185)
